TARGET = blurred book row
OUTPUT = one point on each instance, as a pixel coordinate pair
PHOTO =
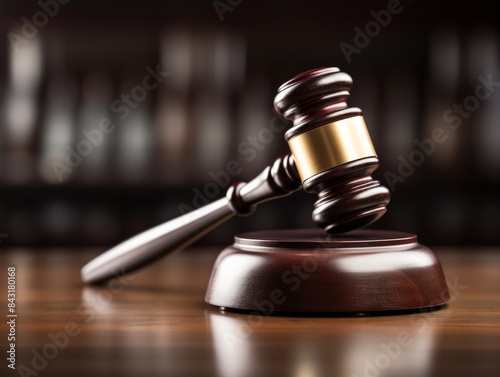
(168, 122)
(92, 152)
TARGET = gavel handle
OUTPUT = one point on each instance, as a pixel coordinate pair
(277, 180)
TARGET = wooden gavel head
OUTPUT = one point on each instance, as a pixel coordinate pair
(332, 149)
(332, 156)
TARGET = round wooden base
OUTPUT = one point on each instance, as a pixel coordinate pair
(306, 270)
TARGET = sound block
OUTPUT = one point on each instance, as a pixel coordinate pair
(309, 271)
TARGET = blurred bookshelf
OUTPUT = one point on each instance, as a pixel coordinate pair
(217, 98)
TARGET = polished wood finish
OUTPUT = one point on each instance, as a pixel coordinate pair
(275, 181)
(307, 271)
(349, 197)
(156, 324)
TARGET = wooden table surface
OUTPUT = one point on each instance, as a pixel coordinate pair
(156, 323)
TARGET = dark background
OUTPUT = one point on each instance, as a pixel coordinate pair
(223, 75)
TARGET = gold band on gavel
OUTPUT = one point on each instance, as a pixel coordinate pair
(331, 145)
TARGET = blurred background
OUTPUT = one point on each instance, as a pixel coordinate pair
(67, 67)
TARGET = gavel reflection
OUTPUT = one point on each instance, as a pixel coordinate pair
(331, 155)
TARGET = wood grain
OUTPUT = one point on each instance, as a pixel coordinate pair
(156, 324)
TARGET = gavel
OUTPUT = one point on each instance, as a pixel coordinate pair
(331, 155)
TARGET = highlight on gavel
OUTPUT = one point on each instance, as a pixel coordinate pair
(332, 156)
